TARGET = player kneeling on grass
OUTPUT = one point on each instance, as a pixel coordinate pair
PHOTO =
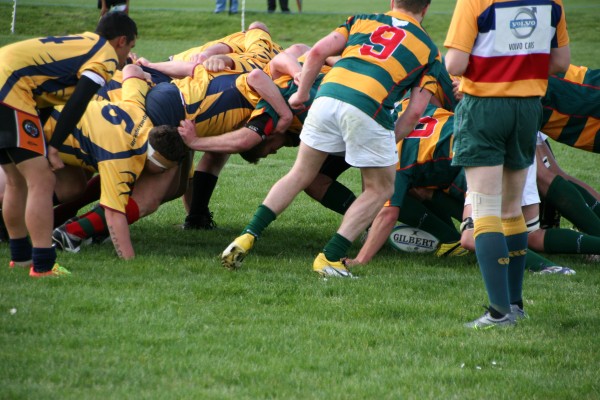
(118, 209)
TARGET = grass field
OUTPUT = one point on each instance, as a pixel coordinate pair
(173, 324)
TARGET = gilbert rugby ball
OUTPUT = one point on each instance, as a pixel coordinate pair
(412, 240)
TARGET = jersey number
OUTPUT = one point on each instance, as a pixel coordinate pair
(386, 39)
(59, 39)
(116, 116)
(424, 128)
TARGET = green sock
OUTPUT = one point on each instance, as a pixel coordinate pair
(338, 198)
(337, 247)
(517, 250)
(491, 250)
(261, 219)
(534, 262)
(590, 200)
(568, 241)
(569, 202)
(414, 213)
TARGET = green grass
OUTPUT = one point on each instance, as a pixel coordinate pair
(173, 324)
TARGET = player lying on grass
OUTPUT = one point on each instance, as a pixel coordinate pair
(425, 157)
(119, 141)
(35, 75)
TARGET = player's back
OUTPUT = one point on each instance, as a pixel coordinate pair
(385, 55)
(48, 68)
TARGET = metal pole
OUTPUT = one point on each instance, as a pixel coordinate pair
(14, 17)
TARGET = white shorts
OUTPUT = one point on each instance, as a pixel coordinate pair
(530, 191)
(335, 127)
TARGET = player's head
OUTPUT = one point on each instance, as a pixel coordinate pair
(270, 146)
(120, 31)
(115, 24)
(258, 25)
(414, 6)
(165, 147)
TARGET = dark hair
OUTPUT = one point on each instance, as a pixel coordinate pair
(166, 140)
(115, 24)
(415, 6)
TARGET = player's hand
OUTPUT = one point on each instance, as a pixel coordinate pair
(54, 160)
(187, 131)
(198, 58)
(217, 63)
(142, 61)
(284, 122)
(297, 102)
(350, 262)
(297, 78)
(458, 95)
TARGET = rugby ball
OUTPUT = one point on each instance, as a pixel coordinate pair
(412, 240)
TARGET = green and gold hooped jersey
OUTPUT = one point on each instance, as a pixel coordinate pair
(217, 103)
(425, 155)
(43, 72)
(112, 139)
(571, 112)
(385, 55)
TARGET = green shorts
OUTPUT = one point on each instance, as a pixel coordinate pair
(491, 131)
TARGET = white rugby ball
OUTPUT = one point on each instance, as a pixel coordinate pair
(412, 240)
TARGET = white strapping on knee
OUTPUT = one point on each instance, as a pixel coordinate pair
(486, 205)
(533, 224)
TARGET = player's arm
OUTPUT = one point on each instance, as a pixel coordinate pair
(456, 61)
(284, 64)
(174, 69)
(213, 50)
(330, 45)
(267, 90)
(560, 59)
(406, 122)
(86, 88)
(232, 142)
(378, 234)
(119, 233)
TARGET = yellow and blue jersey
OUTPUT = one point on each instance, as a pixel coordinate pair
(43, 72)
(249, 50)
(571, 113)
(385, 55)
(111, 138)
(217, 102)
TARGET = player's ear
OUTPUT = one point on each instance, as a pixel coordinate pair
(122, 41)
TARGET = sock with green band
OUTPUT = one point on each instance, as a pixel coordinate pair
(492, 256)
(259, 222)
(337, 248)
(90, 224)
(517, 252)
